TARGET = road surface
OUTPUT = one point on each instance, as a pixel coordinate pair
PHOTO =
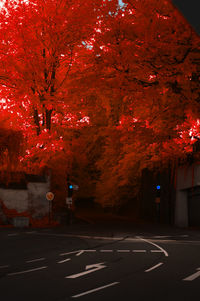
(61, 265)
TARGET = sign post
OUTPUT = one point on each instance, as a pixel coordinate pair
(69, 203)
(50, 197)
(157, 202)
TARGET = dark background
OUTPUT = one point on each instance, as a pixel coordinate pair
(190, 9)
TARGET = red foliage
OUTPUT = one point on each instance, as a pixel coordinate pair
(68, 66)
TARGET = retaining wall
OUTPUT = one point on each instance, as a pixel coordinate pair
(31, 200)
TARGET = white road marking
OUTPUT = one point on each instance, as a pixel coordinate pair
(193, 276)
(170, 236)
(79, 252)
(85, 236)
(154, 267)
(89, 269)
(73, 252)
(27, 271)
(13, 234)
(157, 246)
(162, 236)
(95, 290)
(103, 237)
(4, 266)
(83, 251)
(123, 251)
(30, 232)
(34, 260)
(106, 250)
(98, 237)
(62, 261)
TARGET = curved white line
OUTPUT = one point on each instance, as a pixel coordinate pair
(152, 243)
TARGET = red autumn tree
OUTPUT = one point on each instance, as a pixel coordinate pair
(130, 75)
(40, 44)
(148, 56)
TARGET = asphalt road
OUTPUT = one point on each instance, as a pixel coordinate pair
(99, 264)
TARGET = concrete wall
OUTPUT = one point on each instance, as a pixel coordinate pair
(181, 209)
(32, 199)
(187, 177)
(15, 199)
(38, 204)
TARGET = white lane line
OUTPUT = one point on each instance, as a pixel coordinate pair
(34, 260)
(156, 251)
(4, 266)
(84, 236)
(106, 251)
(101, 237)
(154, 267)
(72, 252)
(123, 251)
(13, 234)
(162, 236)
(193, 276)
(157, 246)
(83, 251)
(79, 252)
(62, 261)
(139, 251)
(30, 232)
(95, 290)
(27, 271)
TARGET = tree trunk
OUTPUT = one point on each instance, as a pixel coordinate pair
(37, 121)
(48, 119)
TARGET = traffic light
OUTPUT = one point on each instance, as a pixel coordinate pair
(158, 189)
(70, 190)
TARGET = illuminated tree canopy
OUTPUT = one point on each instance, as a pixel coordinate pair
(121, 83)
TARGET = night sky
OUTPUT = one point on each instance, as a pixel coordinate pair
(190, 9)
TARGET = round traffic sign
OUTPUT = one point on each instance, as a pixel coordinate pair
(49, 196)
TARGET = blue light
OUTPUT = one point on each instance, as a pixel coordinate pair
(158, 187)
(71, 186)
